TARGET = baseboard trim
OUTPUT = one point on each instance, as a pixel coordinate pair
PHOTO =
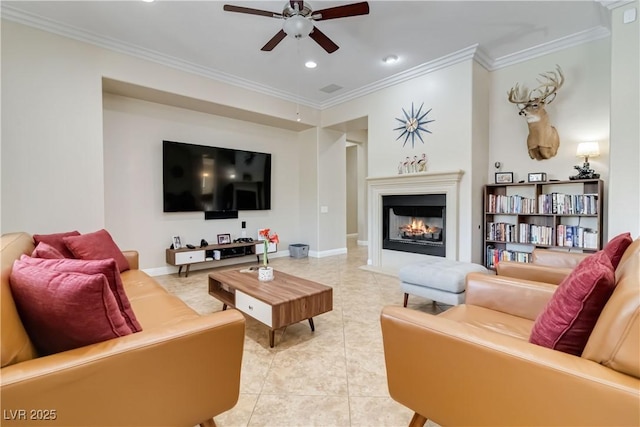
(331, 252)
(160, 271)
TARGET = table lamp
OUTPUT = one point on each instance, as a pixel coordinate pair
(586, 150)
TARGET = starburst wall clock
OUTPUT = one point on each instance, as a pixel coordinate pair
(412, 124)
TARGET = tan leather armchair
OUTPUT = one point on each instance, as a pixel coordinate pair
(473, 364)
(545, 266)
(181, 370)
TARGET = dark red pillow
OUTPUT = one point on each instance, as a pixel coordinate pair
(44, 250)
(56, 240)
(568, 319)
(97, 245)
(62, 311)
(616, 247)
(108, 267)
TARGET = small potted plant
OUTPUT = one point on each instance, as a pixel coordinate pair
(265, 273)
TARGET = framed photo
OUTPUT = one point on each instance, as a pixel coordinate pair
(537, 177)
(504, 177)
(224, 239)
(177, 244)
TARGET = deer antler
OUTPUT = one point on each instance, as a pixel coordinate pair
(553, 81)
(519, 95)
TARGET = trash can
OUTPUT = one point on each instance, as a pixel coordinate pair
(298, 250)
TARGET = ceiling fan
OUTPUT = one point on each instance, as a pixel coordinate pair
(298, 21)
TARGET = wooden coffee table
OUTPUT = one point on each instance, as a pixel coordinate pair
(281, 302)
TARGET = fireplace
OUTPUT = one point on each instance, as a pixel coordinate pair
(415, 223)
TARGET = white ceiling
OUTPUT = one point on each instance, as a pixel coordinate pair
(200, 37)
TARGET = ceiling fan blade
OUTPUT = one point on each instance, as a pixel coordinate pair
(324, 41)
(274, 41)
(354, 9)
(250, 11)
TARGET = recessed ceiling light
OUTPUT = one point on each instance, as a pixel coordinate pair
(148, 1)
(310, 64)
(390, 59)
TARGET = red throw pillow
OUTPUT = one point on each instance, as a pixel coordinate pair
(616, 247)
(97, 245)
(62, 311)
(56, 240)
(568, 319)
(108, 267)
(44, 250)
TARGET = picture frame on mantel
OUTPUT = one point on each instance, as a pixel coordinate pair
(224, 239)
(504, 177)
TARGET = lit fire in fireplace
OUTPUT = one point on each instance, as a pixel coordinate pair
(418, 229)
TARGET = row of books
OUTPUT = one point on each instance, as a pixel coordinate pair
(501, 232)
(536, 234)
(553, 203)
(497, 203)
(494, 255)
(568, 204)
(574, 236)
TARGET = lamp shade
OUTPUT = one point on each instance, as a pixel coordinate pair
(588, 149)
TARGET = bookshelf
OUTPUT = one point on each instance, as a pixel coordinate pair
(558, 215)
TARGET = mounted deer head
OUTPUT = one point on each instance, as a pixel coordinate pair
(543, 140)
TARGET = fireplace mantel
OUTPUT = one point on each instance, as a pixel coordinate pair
(414, 183)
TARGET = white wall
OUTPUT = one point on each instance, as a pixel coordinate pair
(352, 188)
(52, 124)
(51, 134)
(624, 188)
(360, 138)
(448, 92)
(54, 162)
(580, 112)
(308, 221)
(480, 142)
(332, 192)
(133, 135)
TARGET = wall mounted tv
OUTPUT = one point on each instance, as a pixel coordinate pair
(203, 178)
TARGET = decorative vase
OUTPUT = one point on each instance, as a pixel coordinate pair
(265, 274)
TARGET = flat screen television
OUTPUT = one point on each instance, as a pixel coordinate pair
(203, 178)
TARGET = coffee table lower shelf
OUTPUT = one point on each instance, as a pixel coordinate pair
(281, 302)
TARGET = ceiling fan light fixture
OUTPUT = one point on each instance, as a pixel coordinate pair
(298, 26)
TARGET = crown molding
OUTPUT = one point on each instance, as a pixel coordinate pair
(411, 73)
(614, 4)
(482, 58)
(474, 52)
(576, 39)
(45, 24)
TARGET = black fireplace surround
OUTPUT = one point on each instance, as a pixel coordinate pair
(415, 223)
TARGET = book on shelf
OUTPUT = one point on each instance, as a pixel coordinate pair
(578, 237)
(517, 204)
(568, 204)
(495, 255)
(501, 232)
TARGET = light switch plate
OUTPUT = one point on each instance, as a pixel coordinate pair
(629, 15)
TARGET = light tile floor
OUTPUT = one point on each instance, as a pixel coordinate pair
(334, 376)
